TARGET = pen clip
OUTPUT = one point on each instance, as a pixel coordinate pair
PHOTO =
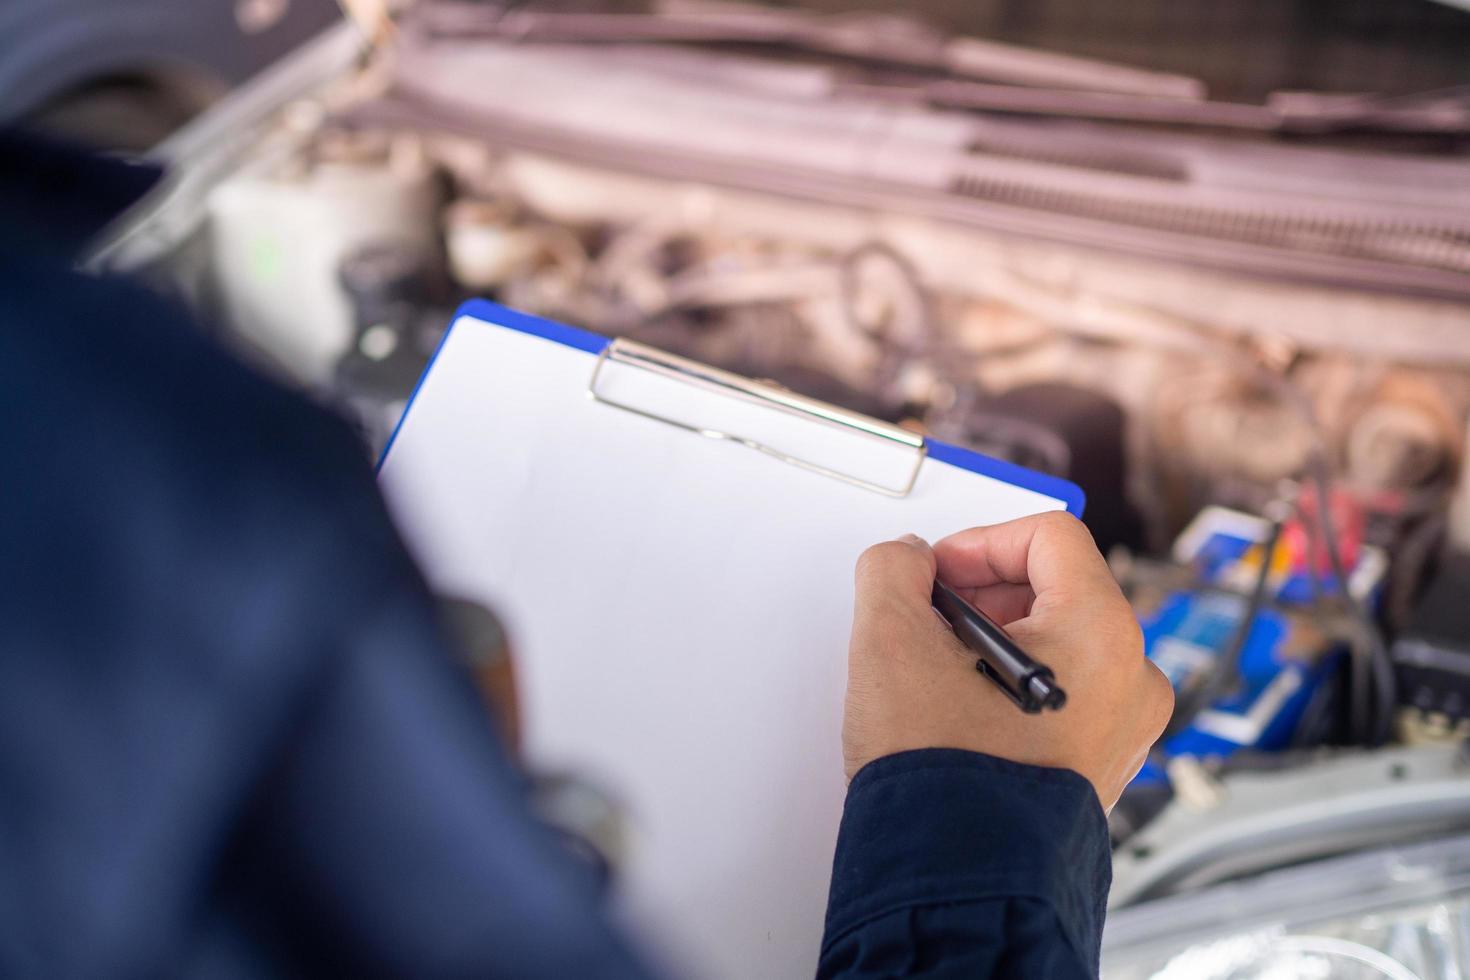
(1028, 706)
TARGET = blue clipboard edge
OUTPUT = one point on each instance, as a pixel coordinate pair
(593, 343)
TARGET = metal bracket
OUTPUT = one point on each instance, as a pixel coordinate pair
(692, 372)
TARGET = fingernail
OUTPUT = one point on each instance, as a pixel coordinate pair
(913, 539)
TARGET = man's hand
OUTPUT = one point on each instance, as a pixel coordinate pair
(913, 685)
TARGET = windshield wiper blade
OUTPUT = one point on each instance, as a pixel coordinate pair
(878, 38)
(1445, 111)
(1296, 113)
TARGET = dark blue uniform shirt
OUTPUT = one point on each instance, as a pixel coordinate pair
(232, 742)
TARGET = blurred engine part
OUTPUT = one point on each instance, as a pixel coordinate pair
(1457, 512)
(1056, 428)
(480, 640)
(590, 820)
(1287, 812)
(1404, 437)
(1400, 913)
(1432, 655)
(486, 249)
(396, 296)
(122, 77)
(278, 237)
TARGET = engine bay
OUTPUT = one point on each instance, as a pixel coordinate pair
(1243, 329)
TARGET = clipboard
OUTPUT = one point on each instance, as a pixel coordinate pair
(671, 546)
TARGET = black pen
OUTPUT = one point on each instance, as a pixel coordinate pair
(1031, 685)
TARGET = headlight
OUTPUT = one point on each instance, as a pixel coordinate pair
(1401, 913)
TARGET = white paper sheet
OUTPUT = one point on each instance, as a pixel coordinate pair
(680, 609)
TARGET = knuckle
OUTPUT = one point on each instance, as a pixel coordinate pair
(880, 557)
(1161, 696)
(1129, 630)
(1063, 524)
(1055, 528)
(1071, 540)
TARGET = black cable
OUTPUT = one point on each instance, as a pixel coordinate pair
(1315, 726)
(1373, 650)
(1216, 681)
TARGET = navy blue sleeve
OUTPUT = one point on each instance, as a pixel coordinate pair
(956, 864)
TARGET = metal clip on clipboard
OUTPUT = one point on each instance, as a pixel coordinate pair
(682, 369)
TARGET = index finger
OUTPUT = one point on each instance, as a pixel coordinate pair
(1050, 552)
(900, 571)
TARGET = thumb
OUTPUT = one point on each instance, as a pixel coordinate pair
(896, 572)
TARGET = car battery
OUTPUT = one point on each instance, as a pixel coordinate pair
(1285, 657)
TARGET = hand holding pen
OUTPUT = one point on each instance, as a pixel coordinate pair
(913, 684)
